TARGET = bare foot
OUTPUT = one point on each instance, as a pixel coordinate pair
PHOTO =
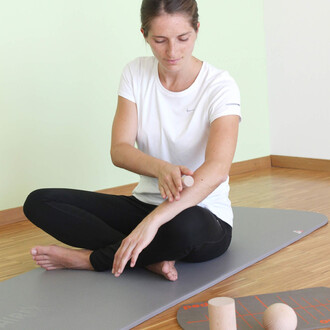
(165, 268)
(57, 257)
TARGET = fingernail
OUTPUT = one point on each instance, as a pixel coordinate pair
(34, 251)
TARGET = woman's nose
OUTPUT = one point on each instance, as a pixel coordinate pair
(171, 49)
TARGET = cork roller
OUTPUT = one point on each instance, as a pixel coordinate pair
(222, 314)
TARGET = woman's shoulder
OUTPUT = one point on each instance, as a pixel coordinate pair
(216, 74)
(140, 68)
(216, 81)
(141, 62)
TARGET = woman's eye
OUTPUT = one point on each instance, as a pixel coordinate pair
(159, 41)
(186, 39)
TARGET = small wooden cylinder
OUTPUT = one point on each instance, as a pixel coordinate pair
(222, 314)
(187, 181)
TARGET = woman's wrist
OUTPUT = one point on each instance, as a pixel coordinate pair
(152, 219)
(159, 168)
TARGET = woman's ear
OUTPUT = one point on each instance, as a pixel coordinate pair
(145, 38)
(198, 25)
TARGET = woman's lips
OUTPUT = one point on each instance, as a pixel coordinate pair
(172, 62)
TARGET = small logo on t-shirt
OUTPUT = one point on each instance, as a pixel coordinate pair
(190, 110)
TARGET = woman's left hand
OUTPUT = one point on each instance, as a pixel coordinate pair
(133, 244)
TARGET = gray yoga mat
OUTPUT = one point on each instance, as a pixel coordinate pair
(69, 299)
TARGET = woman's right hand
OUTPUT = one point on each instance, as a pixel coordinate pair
(170, 182)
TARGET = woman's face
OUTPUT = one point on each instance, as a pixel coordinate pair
(172, 39)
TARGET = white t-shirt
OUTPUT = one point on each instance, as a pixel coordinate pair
(174, 126)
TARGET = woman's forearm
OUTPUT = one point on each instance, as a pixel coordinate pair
(134, 160)
(207, 178)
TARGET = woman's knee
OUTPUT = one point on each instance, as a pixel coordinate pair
(209, 251)
(190, 227)
(34, 201)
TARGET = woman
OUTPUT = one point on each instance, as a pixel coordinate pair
(184, 115)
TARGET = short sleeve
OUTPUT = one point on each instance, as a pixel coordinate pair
(126, 86)
(225, 99)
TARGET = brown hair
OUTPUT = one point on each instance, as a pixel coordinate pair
(153, 8)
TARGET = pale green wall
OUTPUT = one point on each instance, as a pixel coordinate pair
(60, 63)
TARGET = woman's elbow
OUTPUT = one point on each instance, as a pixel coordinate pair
(114, 154)
(220, 178)
(218, 173)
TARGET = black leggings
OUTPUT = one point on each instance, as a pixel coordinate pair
(99, 222)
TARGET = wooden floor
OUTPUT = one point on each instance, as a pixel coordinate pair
(303, 264)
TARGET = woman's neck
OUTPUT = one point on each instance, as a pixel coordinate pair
(182, 79)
